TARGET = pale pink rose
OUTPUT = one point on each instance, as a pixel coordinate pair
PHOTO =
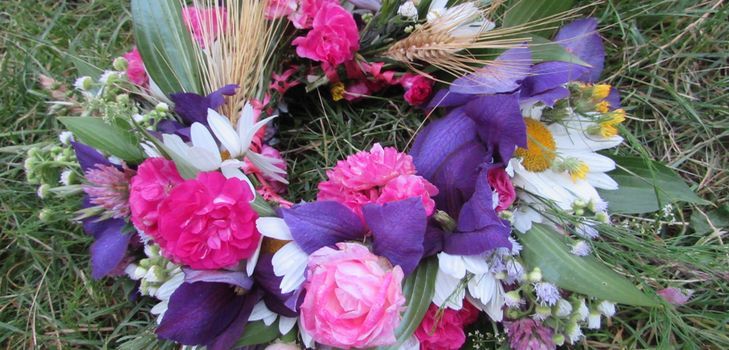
(444, 330)
(280, 8)
(334, 37)
(204, 23)
(155, 178)
(675, 296)
(271, 152)
(307, 10)
(417, 89)
(353, 298)
(406, 186)
(208, 223)
(500, 182)
(135, 68)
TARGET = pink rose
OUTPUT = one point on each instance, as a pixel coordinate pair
(417, 88)
(204, 23)
(500, 182)
(675, 296)
(444, 331)
(208, 223)
(406, 186)
(279, 8)
(155, 178)
(353, 298)
(333, 39)
(304, 15)
(135, 68)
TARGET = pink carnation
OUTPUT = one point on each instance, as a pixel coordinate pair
(279, 8)
(417, 88)
(353, 298)
(406, 186)
(334, 37)
(108, 187)
(304, 15)
(499, 180)
(155, 178)
(381, 175)
(136, 72)
(444, 331)
(208, 223)
(204, 23)
(529, 334)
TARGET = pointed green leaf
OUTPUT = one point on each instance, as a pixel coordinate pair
(528, 11)
(258, 333)
(418, 290)
(646, 186)
(166, 47)
(107, 138)
(547, 249)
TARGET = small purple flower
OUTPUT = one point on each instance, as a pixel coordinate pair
(528, 334)
(547, 293)
(514, 271)
(108, 187)
(581, 248)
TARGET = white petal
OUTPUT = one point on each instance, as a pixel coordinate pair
(482, 287)
(170, 286)
(261, 312)
(267, 166)
(290, 262)
(596, 162)
(523, 218)
(602, 180)
(201, 138)
(275, 228)
(150, 150)
(452, 265)
(448, 291)
(202, 159)
(253, 259)
(175, 144)
(224, 131)
(286, 324)
(306, 338)
(476, 264)
(245, 123)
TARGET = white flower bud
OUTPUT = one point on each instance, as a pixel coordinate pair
(606, 308)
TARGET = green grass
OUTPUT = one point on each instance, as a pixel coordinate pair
(668, 57)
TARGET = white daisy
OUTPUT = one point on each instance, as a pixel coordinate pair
(262, 313)
(290, 261)
(464, 20)
(468, 276)
(560, 164)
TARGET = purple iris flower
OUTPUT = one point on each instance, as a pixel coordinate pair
(192, 107)
(398, 229)
(449, 154)
(110, 239)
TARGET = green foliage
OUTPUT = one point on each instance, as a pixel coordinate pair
(646, 186)
(258, 333)
(548, 250)
(529, 12)
(166, 46)
(105, 137)
(546, 50)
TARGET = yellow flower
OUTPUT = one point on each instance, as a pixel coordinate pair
(603, 107)
(338, 91)
(540, 151)
(607, 125)
(600, 92)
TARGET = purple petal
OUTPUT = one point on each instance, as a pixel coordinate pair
(372, 5)
(549, 97)
(549, 75)
(614, 99)
(439, 139)
(199, 312)
(235, 278)
(217, 98)
(235, 330)
(582, 40)
(109, 247)
(172, 127)
(321, 224)
(479, 227)
(282, 304)
(499, 123)
(88, 157)
(456, 178)
(433, 243)
(191, 107)
(398, 230)
(503, 75)
(447, 98)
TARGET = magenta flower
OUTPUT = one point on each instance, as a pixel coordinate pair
(354, 298)
(208, 223)
(108, 187)
(500, 182)
(528, 334)
(333, 39)
(417, 89)
(445, 331)
(155, 178)
(304, 15)
(204, 23)
(136, 73)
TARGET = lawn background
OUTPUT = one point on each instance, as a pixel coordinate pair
(669, 58)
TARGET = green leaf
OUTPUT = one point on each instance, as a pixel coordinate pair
(418, 290)
(107, 138)
(646, 186)
(166, 46)
(544, 50)
(258, 333)
(522, 12)
(711, 221)
(549, 250)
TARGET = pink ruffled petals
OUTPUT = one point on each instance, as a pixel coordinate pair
(406, 186)
(136, 73)
(334, 37)
(155, 179)
(417, 88)
(501, 183)
(445, 331)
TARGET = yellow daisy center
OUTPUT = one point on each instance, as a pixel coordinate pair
(540, 151)
(338, 91)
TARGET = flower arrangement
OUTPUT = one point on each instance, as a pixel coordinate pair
(487, 218)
